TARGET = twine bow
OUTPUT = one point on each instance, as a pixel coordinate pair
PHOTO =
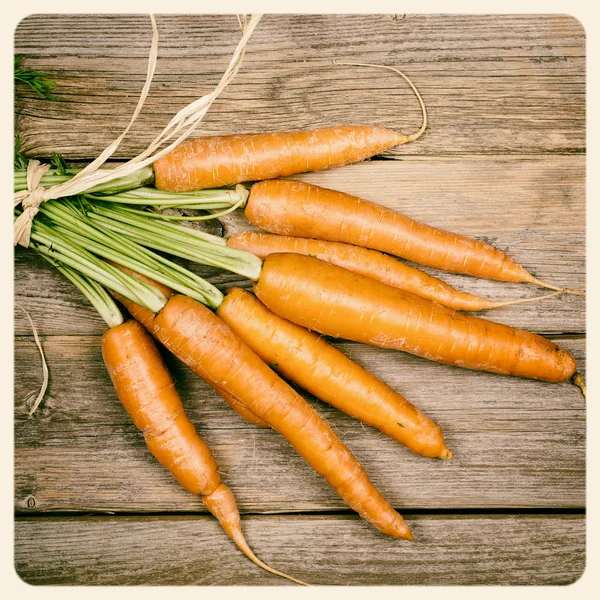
(180, 127)
(30, 199)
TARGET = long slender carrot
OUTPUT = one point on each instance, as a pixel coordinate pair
(211, 349)
(315, 365)
(224, 160)
(146, 390)
(303, 210)
(369, 263)
(341, 303)
(336, 302)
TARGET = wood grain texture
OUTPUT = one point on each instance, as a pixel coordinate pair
(502, 160)
(532, 207)
(80, 451)
(457, 550)
(492, 83)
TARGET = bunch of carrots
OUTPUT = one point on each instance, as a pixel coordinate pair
(323, 264)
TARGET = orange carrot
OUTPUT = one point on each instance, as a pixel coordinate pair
(336, 302)
(211, 349)
(146, 390)
(303, 210)
(309, 361)
(369, 263)
(210, 162)
(217, 161)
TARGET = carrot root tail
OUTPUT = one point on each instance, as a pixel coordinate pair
(446, 454)
(417, 134)
(553, 287)
(523, 300)
(240, 541)
(221, 504)
(579, 381)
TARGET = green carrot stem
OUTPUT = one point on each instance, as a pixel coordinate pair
(140, 218)
(127, 253)
(192, 219)
(199, 252)
(203, 199)
(176, 239)
(100, 299)
(52, 177)
(55, 245)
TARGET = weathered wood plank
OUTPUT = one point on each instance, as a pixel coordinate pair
(452, 550)
(531, 207)
(492, 83)
(517, 443)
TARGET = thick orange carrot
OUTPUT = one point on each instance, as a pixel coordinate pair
(146, 390)
(315, 365)
(369, 263)
(336, 302)
(303, 210)
(212, 350)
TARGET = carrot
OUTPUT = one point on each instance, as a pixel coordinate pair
(369, 263)
(339, 303)
(304, 210)
(146, 390)
(315, 365)
(211, 349)
(224, 160)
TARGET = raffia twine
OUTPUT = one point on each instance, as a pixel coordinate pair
(180, 127)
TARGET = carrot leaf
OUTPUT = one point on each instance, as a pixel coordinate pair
(36, 80)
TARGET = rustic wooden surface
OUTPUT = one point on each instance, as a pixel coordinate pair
(503, 160)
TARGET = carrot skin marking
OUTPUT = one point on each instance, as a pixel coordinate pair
(300, 209)
(339, 303)
(315, 365)
(242, 410)
(208, 162)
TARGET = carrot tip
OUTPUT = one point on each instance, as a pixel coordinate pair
(446, 454)
(572, 291)
(579, 381)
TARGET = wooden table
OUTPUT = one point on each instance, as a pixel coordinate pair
(503, 160)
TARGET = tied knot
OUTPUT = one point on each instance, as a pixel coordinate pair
(34, 198)
(30, 199)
